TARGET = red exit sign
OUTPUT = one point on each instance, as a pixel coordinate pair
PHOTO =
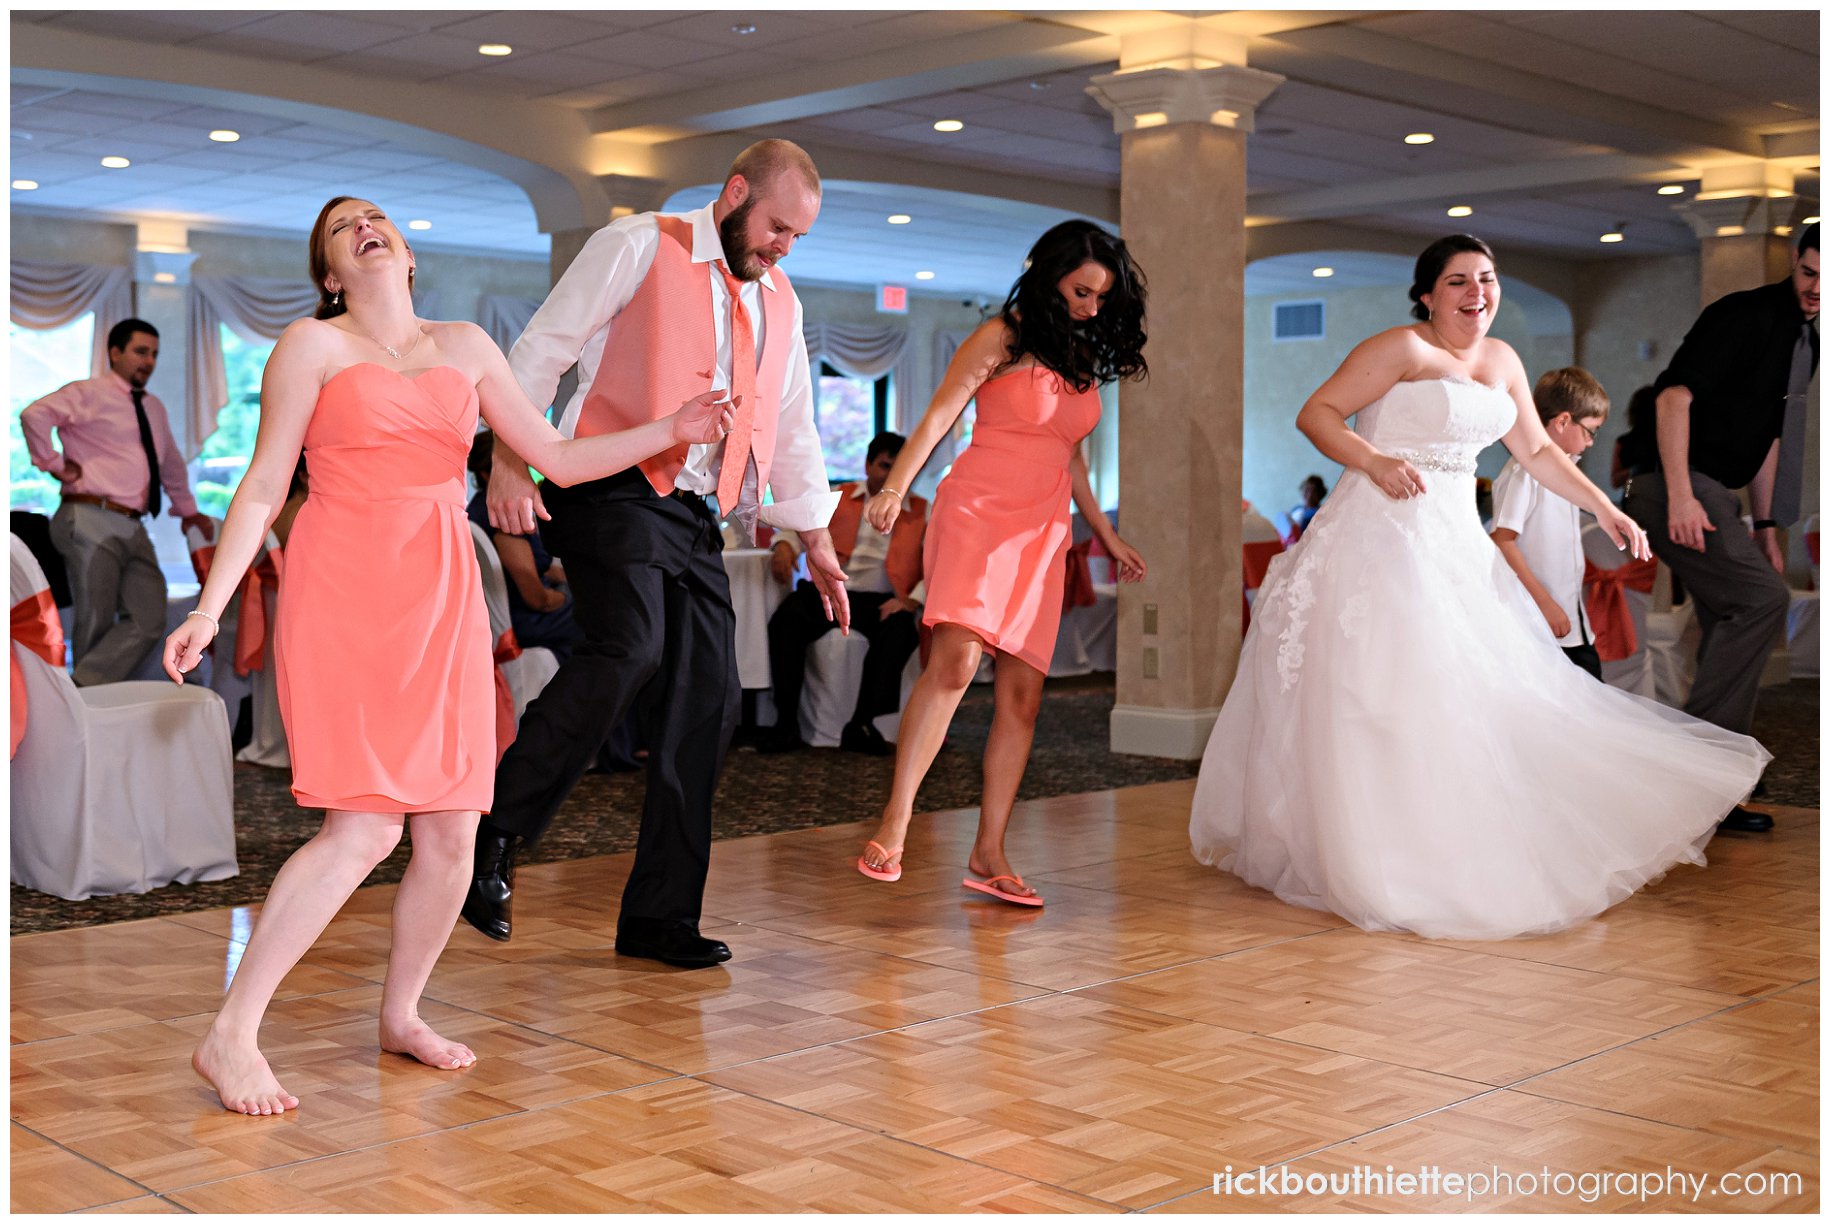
(892, 299)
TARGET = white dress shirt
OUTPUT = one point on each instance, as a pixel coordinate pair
(1550, 537)
(574, 321)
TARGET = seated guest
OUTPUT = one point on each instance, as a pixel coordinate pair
(1636, 450)
(1312, 490)
(539, 603)
(886, 594)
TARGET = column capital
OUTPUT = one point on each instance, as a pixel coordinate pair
(1731, 216)
(1226, 95)
(629, 193)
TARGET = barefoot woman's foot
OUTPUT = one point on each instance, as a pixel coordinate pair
(242, 1080)
(414, 1039)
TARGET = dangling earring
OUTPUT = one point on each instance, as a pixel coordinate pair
(336, 298)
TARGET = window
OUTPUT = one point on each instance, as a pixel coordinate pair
(42, 362)
(225, 455)
(848, 412)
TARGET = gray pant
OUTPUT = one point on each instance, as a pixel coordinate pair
(117, 586)
(1741, 600)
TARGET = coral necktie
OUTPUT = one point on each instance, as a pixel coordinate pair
(743, 384)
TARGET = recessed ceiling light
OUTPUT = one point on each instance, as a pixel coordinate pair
(924, 276)
(1806, 221)
(116, 163)
(1419, 138)
(25, 184)
(1671, 189)
(899, 219)
(1039, 86)
(419, 225)
(495, 49)
(1461, 210)
(743, 27)
(165, 278)
(225, 136)
(1614, 236)
(948, 125)
(1323, 273)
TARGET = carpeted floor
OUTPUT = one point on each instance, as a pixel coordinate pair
(770, 794)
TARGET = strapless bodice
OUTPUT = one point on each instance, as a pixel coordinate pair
(378, 433)
(1439, 424)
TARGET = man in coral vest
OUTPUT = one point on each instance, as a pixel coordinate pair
(653, 304)
(886, 589)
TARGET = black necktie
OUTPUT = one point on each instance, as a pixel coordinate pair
(152, 452)
(1789, 481)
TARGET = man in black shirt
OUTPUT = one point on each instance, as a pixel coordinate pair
(1731, 415)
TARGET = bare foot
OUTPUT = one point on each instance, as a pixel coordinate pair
(241, 1077)
(987, 866)
(889, 837)
(414, 1039)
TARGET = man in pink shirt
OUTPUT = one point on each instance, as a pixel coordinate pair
(117, 452)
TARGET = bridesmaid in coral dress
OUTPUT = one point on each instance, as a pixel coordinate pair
(383, 654)
(998, 535)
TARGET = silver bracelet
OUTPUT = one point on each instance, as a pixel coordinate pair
(216, 624)
(886, 489)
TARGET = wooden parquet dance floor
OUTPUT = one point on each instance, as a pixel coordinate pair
(916, 1047)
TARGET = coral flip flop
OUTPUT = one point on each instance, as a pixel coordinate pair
(890, 872)
(989, 886)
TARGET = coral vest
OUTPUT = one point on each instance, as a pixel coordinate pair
(661, 351)
(903, 561)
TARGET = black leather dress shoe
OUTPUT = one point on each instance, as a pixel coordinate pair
(863, 737)
(486, 905)
(671, 943)
(779, 739)
(1740, 820)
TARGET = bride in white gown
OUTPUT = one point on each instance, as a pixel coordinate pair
(1404, 743)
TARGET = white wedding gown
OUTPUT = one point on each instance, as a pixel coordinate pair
(1405, 744)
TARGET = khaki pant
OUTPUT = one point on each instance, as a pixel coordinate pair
(117, 586)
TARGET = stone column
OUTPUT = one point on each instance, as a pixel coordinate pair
(1741, 214)
(1183, 102)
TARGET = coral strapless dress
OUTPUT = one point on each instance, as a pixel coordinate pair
(382, 651)
(998, 534)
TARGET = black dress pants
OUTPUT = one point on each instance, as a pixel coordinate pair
(800, 621)
(650, 594)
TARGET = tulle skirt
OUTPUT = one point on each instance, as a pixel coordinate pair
(1406, 746)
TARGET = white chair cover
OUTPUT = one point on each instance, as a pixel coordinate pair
(116, 788)
(268, 745)
(529, 671)
(1088, 641)
(835, 670)
(1801, 634)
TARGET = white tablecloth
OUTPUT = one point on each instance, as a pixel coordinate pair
(754, 596)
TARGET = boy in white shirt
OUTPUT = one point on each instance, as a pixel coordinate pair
(1538, 532)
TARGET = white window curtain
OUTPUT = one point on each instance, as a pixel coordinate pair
(505, 317)
(863, 350)
(47, 295)
(258, 308)
(946, 343)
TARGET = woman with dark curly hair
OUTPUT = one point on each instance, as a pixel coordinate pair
(998, 535)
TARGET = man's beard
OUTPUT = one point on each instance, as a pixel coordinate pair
(740, 259)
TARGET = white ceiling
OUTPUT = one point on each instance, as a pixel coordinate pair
(1355, 88)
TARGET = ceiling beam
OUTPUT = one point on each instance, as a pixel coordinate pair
(543, 149)
(1003, 53)
(1458, 187)
(707, 158)
(1414, 74)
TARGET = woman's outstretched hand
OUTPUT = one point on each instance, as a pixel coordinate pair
(705, 419)
(883, 510)
(1130, 562)
(1628, 536)
(184, 648)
